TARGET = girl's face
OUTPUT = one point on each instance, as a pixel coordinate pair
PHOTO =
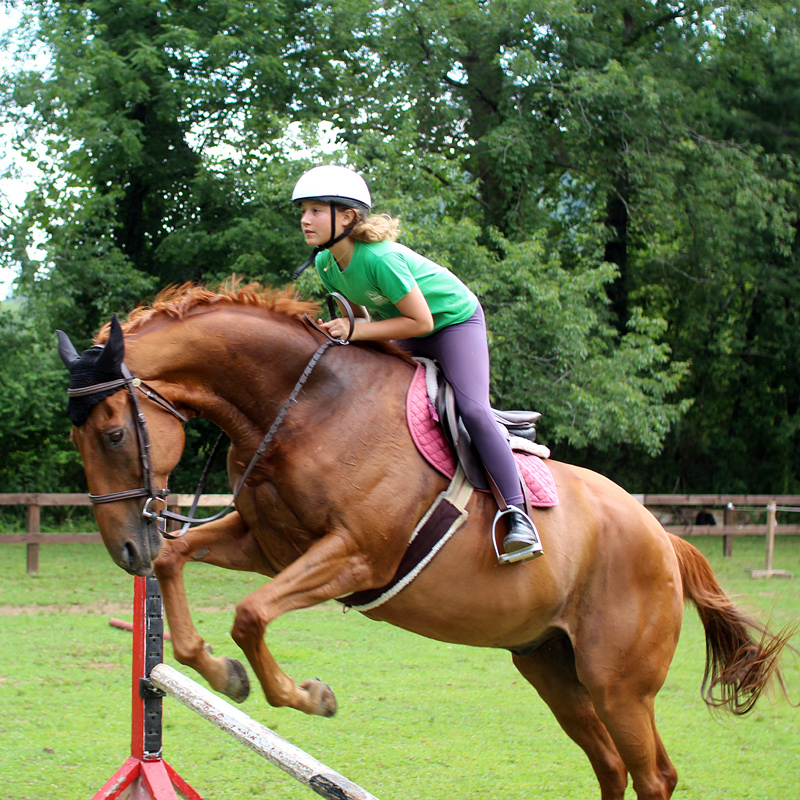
(315, 222)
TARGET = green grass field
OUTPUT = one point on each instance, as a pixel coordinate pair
(417, 719)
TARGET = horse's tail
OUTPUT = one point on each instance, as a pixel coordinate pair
(738, 666)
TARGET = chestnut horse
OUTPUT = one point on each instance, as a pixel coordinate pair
(329, 507)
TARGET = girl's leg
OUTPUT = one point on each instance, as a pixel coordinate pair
(463, 354)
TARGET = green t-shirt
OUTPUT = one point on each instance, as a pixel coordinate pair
(382, 273)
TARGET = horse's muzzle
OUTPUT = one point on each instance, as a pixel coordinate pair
(132, 562)
(136, 557)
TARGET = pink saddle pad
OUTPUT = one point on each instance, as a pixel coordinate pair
(423, 422)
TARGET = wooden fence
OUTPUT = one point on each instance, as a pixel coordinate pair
(34, 536)
(686, 515)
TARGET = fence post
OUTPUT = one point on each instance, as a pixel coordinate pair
(772, 512)
(175, 509)
(35, 527)
(768, 571)
(727, 539)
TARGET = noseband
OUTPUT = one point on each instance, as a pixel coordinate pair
(159, 496)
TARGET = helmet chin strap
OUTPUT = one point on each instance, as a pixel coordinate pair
(320, 247)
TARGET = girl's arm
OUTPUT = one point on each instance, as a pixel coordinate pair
(360, 313)
(416, 320)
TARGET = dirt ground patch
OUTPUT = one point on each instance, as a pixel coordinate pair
(101, 608)
(65, 608)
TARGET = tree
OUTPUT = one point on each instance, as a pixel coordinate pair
(133, 96)
(617, 181)
(33, 425)
(136, 92)
(633, 124)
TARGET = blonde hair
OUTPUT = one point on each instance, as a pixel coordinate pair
(376, 228)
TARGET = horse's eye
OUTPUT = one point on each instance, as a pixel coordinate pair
(115, 437)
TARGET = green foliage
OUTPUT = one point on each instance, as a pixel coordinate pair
(617, 181)
(555, 351)
(136, 93)
(33, 426)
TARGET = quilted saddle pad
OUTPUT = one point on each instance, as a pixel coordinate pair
(423, 423)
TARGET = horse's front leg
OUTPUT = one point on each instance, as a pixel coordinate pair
(226, 543)
(332, 567)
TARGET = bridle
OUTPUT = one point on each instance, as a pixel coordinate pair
(133, 385)
(155, 496)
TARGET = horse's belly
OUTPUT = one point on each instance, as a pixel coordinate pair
(475, 602)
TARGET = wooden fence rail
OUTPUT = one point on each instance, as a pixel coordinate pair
(721, 515)
(726, 516)
(34, 536)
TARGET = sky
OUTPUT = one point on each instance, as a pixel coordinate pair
(12, 189)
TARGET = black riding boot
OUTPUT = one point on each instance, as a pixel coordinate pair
(522, 536)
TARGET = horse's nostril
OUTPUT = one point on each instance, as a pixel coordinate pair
(135, 559)
(129, 557)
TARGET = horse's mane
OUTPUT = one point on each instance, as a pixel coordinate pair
(177, 301)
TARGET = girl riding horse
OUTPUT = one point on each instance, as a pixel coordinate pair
(421, 306)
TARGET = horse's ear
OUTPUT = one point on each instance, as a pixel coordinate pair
(66, 349)
(114, 350)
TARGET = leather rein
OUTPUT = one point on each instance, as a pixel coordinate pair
(157, 496)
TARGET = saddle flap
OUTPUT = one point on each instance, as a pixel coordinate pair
(424, 424)
(457, 435)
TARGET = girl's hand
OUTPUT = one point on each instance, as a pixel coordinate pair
(338, 328)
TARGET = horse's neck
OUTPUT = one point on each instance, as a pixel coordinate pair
(238, 369)
(225, 366)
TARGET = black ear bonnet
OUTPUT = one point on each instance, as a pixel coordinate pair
(97, 365)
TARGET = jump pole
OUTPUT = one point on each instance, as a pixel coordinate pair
(277, 750)
(145, 775)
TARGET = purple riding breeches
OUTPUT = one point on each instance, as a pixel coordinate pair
(463, 354)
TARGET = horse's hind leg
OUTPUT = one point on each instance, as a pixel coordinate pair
(630, 719)
(622, 673)
(551, 670)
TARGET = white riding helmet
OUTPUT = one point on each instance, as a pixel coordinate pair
(333, 184)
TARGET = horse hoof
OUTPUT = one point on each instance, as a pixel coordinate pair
(322, 699)
(237, 685)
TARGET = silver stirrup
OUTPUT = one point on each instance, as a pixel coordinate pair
(519, 555)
